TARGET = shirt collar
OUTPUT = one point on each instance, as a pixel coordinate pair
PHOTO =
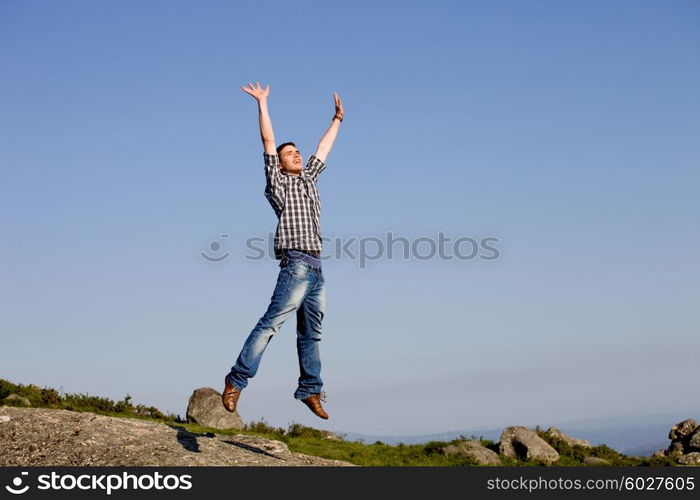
(302, 174)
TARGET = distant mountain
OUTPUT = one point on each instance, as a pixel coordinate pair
(646, 450)
(493, 434)
(639, 435)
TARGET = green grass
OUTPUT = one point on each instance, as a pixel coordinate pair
(310, 441)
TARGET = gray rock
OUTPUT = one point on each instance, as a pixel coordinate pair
(694, 441)
(473, 449)
(206, 409)
(595, 461)
(521, 442)
(262, 445)
(331, 435)
(675, 449)
(682, 429)
(571, 441)
(659, 453)
(4, 418)
(16, 400)
(690, 459)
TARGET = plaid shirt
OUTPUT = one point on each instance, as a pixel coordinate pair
(296, 203)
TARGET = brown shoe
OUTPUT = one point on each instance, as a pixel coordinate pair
(314, 404)
(230, 396)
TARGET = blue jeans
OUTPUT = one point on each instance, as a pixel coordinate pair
(301, 288)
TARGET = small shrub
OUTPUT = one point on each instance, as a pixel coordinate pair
(262, 427)
(301, 431)
(435, 447)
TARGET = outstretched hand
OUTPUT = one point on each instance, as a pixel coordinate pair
(338, 106)
(257, 91)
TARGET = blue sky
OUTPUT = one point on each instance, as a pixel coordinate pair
(567, 130)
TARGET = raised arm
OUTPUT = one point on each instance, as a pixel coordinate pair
(266, 133)
(326, 143)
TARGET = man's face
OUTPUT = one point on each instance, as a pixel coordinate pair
(291, 160)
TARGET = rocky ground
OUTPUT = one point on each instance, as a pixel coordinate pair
(47, 437)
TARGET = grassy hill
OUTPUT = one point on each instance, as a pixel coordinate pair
(312, 441)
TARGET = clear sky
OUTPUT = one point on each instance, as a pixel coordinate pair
(568, 130)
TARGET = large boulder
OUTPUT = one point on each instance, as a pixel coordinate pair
(473, 449)
(685, 443)
(571, 441)
(523, 443)
(682, 429)
(685, 438)
(206, 409)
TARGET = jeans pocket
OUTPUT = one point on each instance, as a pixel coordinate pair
(299, 269)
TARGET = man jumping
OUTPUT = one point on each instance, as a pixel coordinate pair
(292, 192)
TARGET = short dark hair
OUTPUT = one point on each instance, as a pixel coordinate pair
(279, 148)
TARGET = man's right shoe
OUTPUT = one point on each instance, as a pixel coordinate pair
(230, 396)
(314, 404)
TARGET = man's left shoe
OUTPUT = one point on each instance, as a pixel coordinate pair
(314, 404)
(230, 396)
